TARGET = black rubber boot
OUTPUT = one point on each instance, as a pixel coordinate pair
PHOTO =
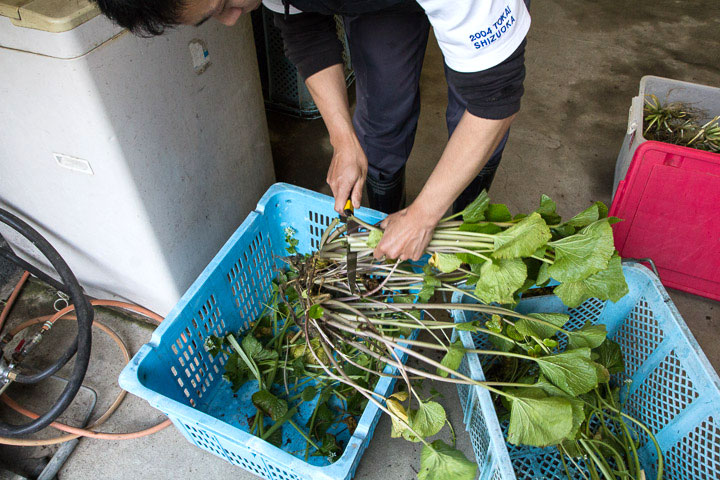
(386, 193)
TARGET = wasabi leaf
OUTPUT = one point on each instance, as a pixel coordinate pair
(499, 280)
(254, 349)
(498, 212)
(578, 408)
(440, 461)
(610, 356)
(522, 239)
(547, 210)
(251, 346)
(590, 336)
(475, 212)
(316, 311)
(427, 421)
(543, 275)
(539, 420)
(394, 404)
(536, 329)
(572, 371)
(308, 393)
(608, 284)
(453, 358)
(467, 326)
(586, 217)
(445, 262)
(481, 227)
(269, 404)
(583, 254)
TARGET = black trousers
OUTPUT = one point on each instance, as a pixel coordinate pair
(387, 51)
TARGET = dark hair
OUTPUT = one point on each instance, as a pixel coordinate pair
(143, 17)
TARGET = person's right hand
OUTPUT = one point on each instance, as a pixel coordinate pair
(346, 175)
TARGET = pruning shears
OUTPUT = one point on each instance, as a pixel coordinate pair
(351, 227)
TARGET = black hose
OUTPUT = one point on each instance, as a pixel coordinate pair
(10, 255)
(27, 378)
(83, 341)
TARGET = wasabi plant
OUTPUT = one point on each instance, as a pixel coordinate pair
(332, 328)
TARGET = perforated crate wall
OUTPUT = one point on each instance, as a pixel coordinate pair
(283, 88)
(674, 390)
(178, 376)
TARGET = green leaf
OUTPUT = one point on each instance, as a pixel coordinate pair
(467, 326)
(254, 349)
(445, 262)
(374, 238)
(475, 212)
(562, 231)
(440, 461)
(586, 217)
(583, 254)
(610, 356)
(547, 210)
(426, 293)
(572, 371)
(589, 336)
(539, 420)
(427, 421)
(481, 227)
(308, 393)
(269, 404)
(453, 358)
(251, 346)
(395, 406)
(498, 212)
(578, 409)
(523, 238)
(500, 279)
(608, 284)
(530, 328)
(543, 274)
(316, 311)
(495, 324)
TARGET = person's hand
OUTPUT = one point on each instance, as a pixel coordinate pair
(407, 233)
(346, 175)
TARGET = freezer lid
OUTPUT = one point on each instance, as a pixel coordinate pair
(49, 15)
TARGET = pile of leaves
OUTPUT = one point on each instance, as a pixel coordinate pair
(680, 125)
(581, 414)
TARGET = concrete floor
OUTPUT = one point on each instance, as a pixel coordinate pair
(584, 63)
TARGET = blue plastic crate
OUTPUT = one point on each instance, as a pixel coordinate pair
(674, 390)
(176, 375)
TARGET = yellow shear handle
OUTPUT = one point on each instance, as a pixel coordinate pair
(348, 209)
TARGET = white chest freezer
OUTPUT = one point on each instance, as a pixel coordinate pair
(136, 158)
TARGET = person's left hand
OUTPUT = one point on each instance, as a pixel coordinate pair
(407, 233)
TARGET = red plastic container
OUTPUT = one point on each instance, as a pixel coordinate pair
(670, 203)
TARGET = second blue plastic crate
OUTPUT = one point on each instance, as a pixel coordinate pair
(674, 390)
